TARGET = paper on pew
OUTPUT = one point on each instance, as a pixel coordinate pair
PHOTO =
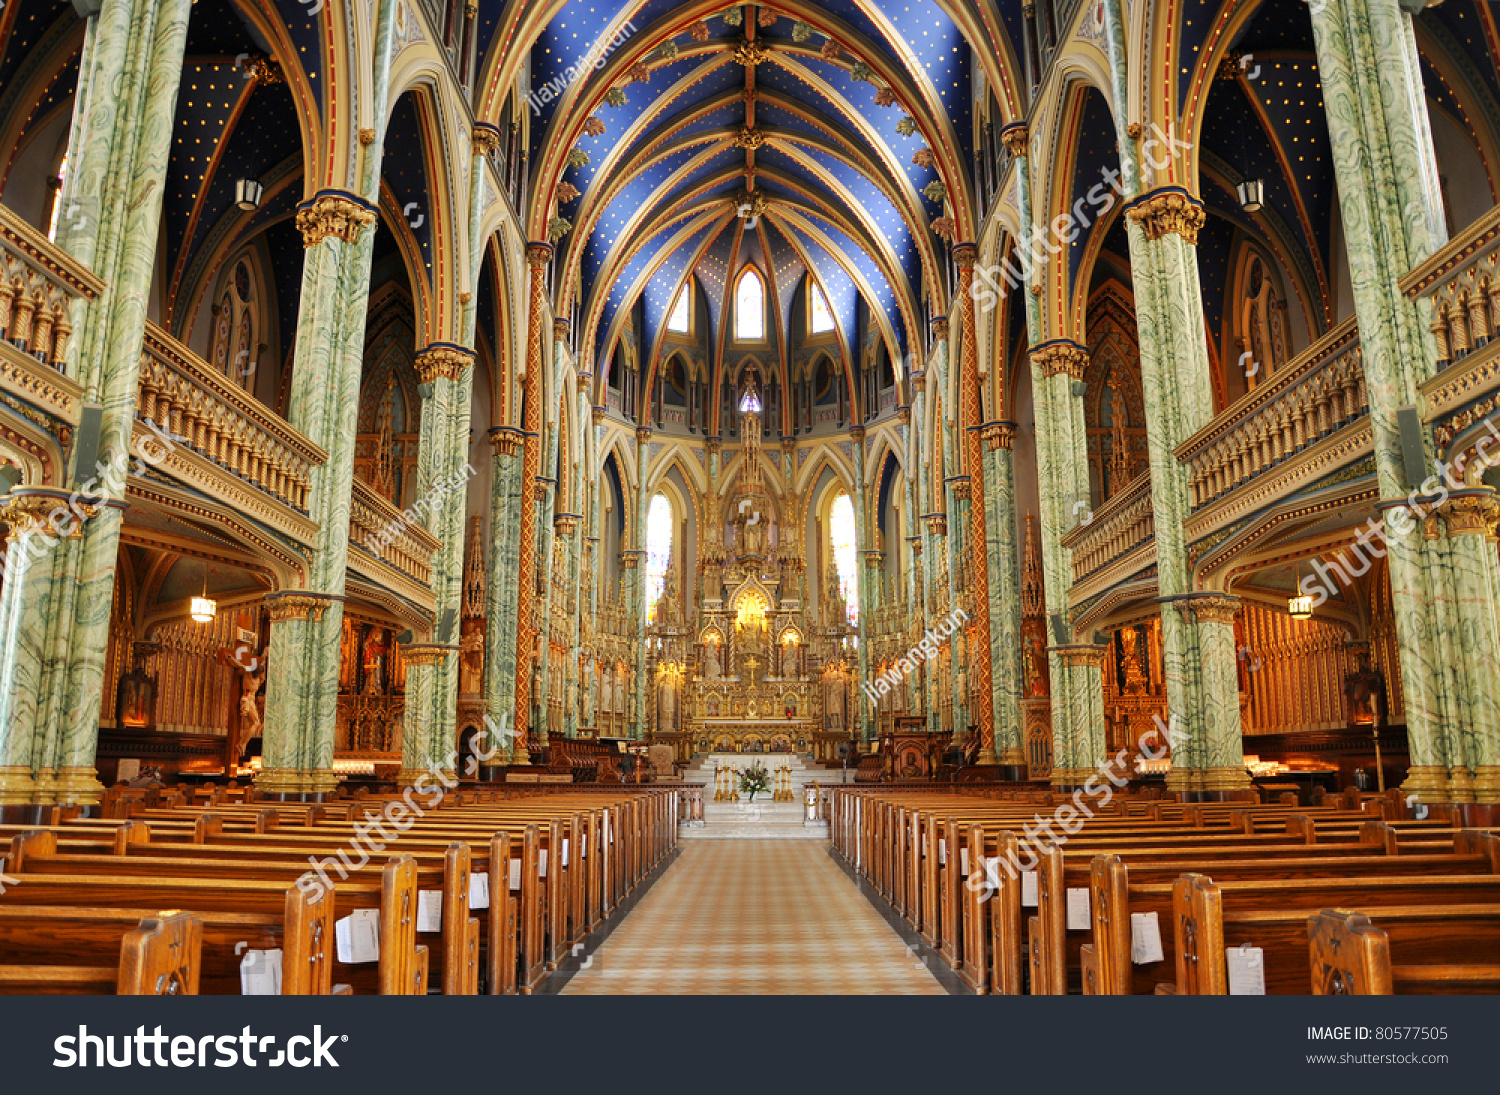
(260, 973)
(541, 869)
(565, 852)
(1029, 896)
(358, 936)
(515, 874)
(429, 910)
(942, 852)
(1247, 970)
(963, 861)
(479, 890)
(1078, 908)
(992, 872)
(1145, 938)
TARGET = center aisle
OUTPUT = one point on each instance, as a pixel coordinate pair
(753, 917)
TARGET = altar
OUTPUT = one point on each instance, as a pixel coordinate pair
(748, 665)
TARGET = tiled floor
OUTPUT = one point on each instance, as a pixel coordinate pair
(753, 917)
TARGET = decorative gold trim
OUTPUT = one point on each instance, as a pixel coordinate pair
(749, 137)
(426, 653)
(1166, 211)
(507, 441)
(998, 435)
(940, 328)
(1016, 139)
(332, 214)
(1210, 608)
(442, 363)
(296, 606)
(486, 139)
(1061, 357)
(538, 254)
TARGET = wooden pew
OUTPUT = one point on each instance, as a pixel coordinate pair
(1452, 950)
(157, 957)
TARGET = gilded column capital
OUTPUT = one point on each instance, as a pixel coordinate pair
(1214, 608)
(1080, 655)
(598, 413)
(998, 435)
(1471, 512)
(940, 328)
(538, 254)
(560, 329)
(713, 445)
(1060, 355)
(789, 445)
(960, 485)
(964, 255)
(642, 434)
(937, 523)
(857, 434)
(903, 414)
(425, 653)
(335, 213)
(298, 605)
(40, 511)
(565, 524)
(629, 559)
(442, 361)
(918, 381)
(486, 139)
(1016, 138)
(507, 440)
(1166, 210)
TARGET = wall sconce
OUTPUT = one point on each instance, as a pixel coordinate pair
(247, 194)
(1252, 194)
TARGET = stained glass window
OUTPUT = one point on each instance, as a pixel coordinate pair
(750, 307)
(822, 315)
(842, 536)
(658, 551)
(678, 322)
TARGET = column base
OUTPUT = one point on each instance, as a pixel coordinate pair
(16, 785)
(987, 757)
(77, 785)
(1426, 783)
(295, 785)
(1460, 785)
(1069, 777)
(1013, 756)
(1212, 782)
(1487, 784)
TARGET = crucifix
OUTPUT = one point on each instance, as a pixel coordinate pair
(752, 663)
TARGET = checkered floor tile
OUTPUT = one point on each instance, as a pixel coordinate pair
(753, 917)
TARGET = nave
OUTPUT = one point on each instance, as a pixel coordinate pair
(754, 917)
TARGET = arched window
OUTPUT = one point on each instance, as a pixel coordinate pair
(820, 315)
(843, 539)
(233, 352)
(750, 307)
(680, 321)
(57, 187)
(658, 551)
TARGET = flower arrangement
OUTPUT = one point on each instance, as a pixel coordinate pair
(755, 779)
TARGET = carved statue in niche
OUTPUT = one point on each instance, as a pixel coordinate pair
(713, 669)
(471, 663)
(374, 662)
(789, 661)
(618, 706)
(135, 698)
(1130, 662)
(833, 702)
(668, 611)
(666, 702)
(250, 720)
(753, 535)
(1364, 691)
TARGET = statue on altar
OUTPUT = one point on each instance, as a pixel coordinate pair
(1364, 692)
(789, 660)
(668, 610)
(833, 701)
(713, 669)
(666, 702)
(835, 611)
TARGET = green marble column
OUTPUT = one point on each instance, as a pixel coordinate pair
(1004, 592)
(1391, 211)
(338, 234)
(118, 148)
(867, 712)
(502, 591)
(423, 748)
(446, 373)
(1062, 471)
(546, 534)
(638, 582)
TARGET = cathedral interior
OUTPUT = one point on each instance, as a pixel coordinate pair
(964, 391)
